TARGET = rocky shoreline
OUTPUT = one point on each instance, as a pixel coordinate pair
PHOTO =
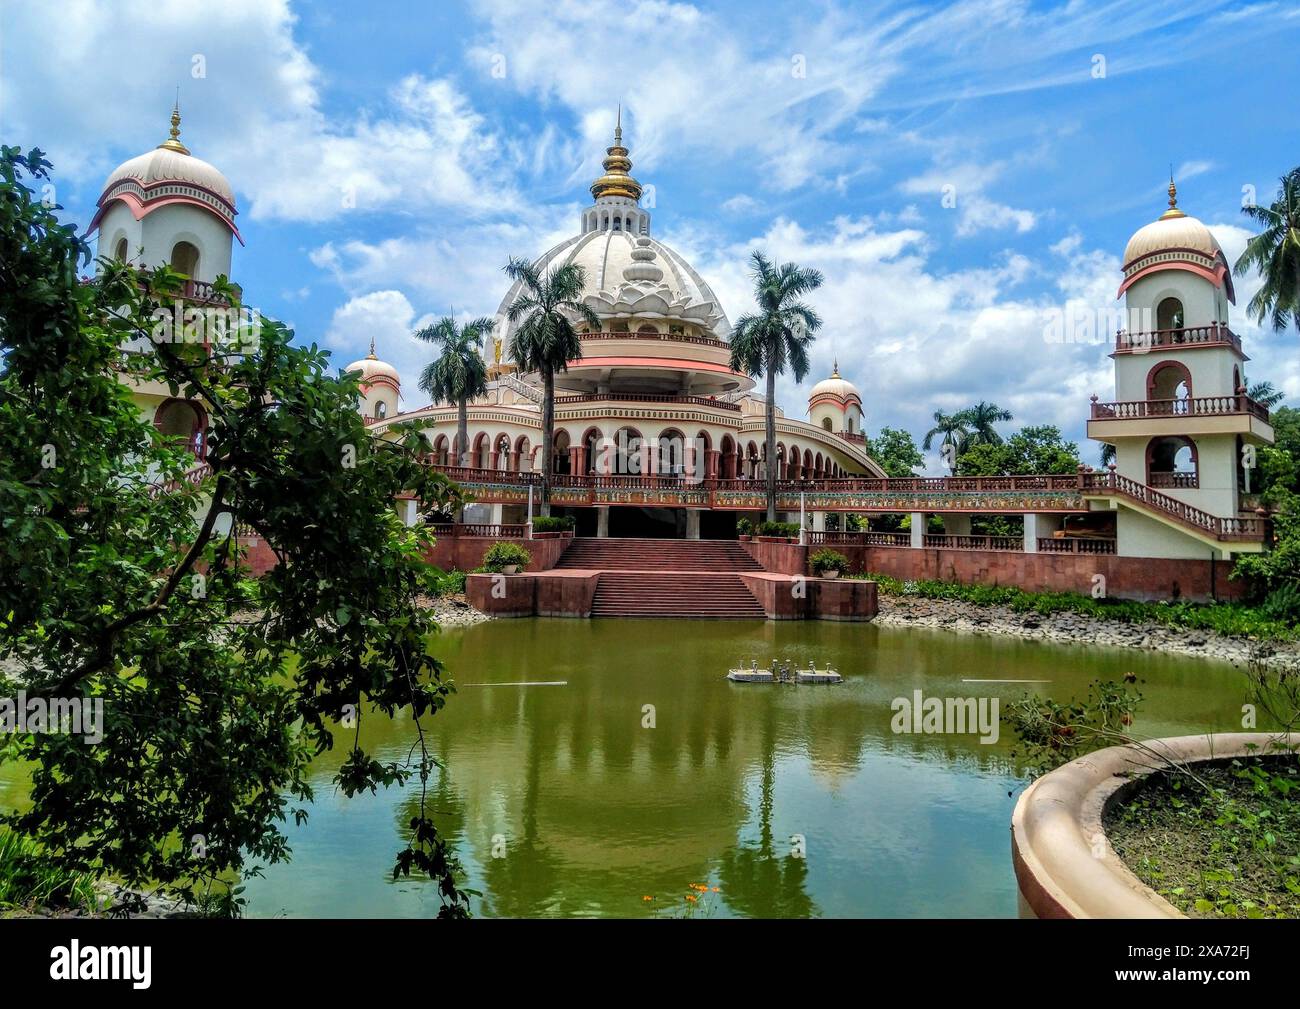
(453, 611)
(1076, 628)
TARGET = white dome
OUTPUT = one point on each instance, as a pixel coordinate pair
(839, 388)
(162, 165)
(631, 276)
(1170, 233)
(370, 367)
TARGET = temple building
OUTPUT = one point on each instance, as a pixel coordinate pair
(652, 396)
(657, 436)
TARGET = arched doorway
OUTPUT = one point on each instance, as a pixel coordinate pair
(184, 423)
(1172, 463)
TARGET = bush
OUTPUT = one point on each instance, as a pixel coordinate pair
(502, 555)
(744, 527)
(28, 882)
(552, 523)
(449, 583)
(779, 529)
(829, 560)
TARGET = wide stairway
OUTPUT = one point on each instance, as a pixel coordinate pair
(667, 578)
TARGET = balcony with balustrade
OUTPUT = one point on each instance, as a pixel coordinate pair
(1199, 415)
(1181, 338)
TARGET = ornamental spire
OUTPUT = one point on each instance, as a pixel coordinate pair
(173, 142)
(617, 180)
(1173, 210)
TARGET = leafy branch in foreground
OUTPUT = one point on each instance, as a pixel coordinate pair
(216, 692)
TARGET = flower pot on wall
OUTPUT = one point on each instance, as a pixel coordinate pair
(510, 569)
(832, 573)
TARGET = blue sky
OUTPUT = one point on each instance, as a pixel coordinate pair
(388, 158)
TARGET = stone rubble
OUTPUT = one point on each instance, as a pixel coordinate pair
(1074, 628)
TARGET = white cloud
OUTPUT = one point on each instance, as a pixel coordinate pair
(388, 318)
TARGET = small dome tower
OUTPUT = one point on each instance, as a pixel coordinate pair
(835, 404)
(167, 206)
(381, 387)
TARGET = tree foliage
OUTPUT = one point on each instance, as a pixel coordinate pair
(217, 691)
(774, 339)
(1275, 253)
(1034, 449)
(896, 452)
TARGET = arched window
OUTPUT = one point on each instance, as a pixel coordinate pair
(185, 259)
(560, 459)
(618, 224)
(184, 423)
(671, 457)
(441, 450)
(502, 451)
(1169, 314)
(1169, 387)
(122, 250)
(1172, 462)
(525, 457)
(826, 423)
(381, 410)
(482, 451)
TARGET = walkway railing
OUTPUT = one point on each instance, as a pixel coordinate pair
(1194, 518)
(948, 541)
(703, 341)
(1075, 545)
(1186, 336)
(1200, 406)
(831, 537)
(503, 531)
(644, 397)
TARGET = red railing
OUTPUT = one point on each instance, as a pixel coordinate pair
(1178, 481)
(1187, 336)
(948, 541)
(505, 531)
(867, 539)
(191, 477)
(1200, 406)
(1195, 518)
(1075, 545)
(648, 397)
(703, 341)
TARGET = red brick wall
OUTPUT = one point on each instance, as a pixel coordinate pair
(524, 594)
(1142, 578)
(465, 553)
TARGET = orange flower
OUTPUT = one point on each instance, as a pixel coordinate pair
(690, 898)
(647, 897)
(716, 890)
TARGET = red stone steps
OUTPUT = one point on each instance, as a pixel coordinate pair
(674, 594)
(657, 555)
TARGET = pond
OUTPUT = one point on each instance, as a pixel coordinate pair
(565, 795)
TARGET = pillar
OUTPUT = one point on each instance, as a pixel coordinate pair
(712, 457)
(819, 522)
(602, 521)
(918, 530)
(956, 525)
(692, 523)
(1038, 526)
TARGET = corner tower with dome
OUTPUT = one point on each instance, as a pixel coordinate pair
(652, 411)
(1183, 428)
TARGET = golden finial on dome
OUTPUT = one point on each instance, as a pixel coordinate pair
(173, 143)
(371, 355)
(617, 180)
(1173, 210)
(835, 369)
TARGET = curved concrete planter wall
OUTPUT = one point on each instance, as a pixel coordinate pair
(1064, 863)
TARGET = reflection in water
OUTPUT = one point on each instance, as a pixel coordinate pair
(589, 811)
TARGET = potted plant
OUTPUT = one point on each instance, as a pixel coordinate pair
(506, 558)
(744, 529)
(827, 563)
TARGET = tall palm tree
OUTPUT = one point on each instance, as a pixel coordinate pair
(1275, 253)
(979, 420)
(1107, 453)
(953, 428)
(775, 337)
(1266, 395)
(459, 373)
(544, 339)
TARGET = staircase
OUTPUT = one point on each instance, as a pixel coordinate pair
(595, 554)
(667, 578)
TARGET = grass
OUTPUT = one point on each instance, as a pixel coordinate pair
(1231, 850)
(1231, 619)
(28, 882)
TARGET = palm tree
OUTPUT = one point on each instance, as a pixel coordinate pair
(776, 336)
(953, 428)
(458, 374)
(979, 420)
(1275, 253)
(1107, 453)
(1266, 395)
(544, 339)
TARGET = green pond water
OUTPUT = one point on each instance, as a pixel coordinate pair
(559, 802)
